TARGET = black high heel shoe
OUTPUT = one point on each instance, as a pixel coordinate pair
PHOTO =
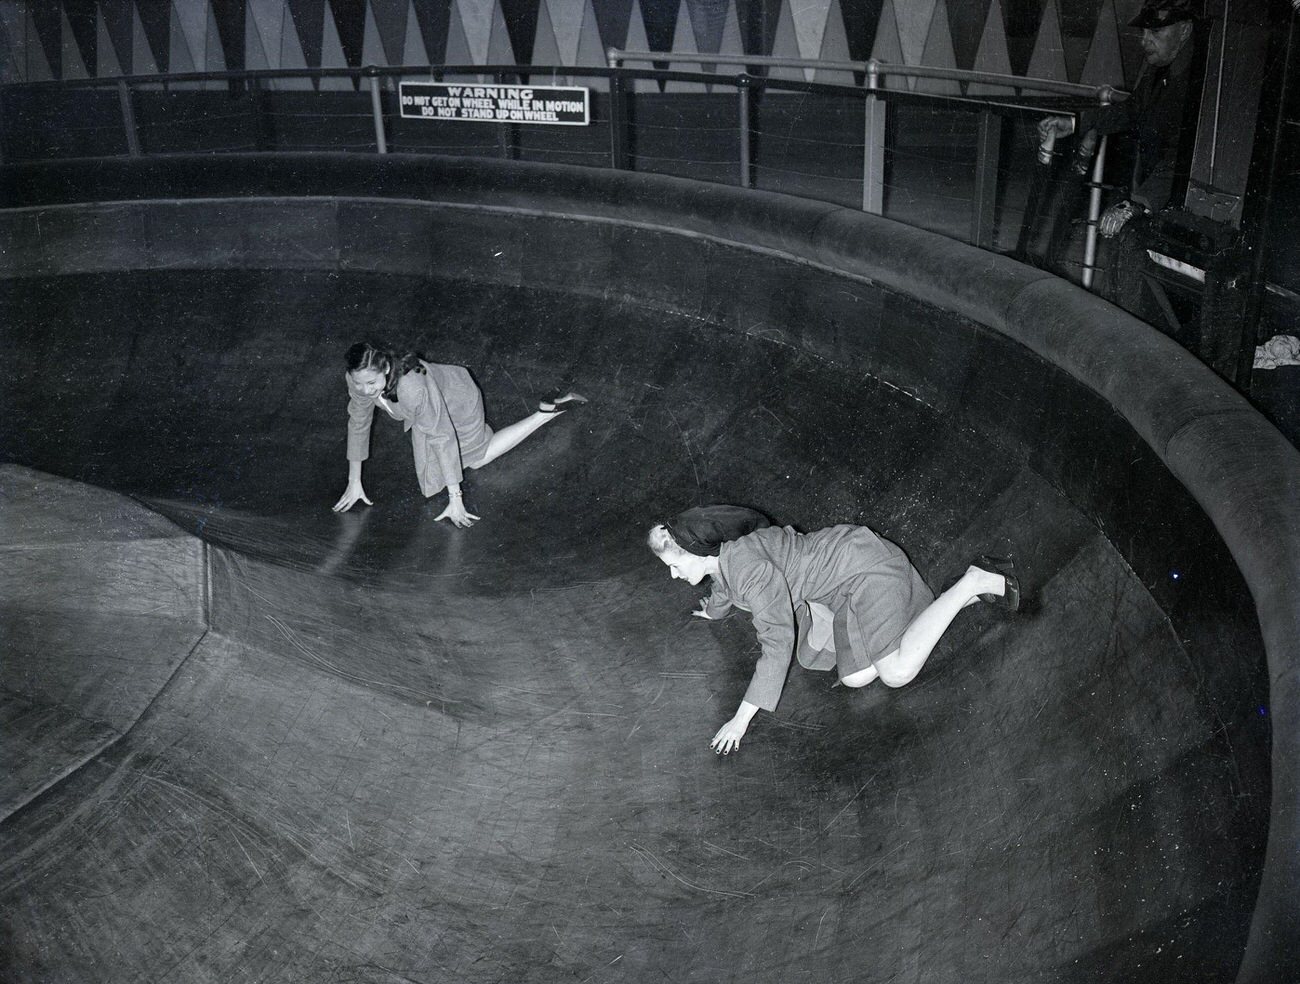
(557, 404)
(1010, 598)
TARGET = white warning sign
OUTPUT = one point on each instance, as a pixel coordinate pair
(556, 105)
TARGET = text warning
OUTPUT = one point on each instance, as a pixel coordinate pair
(556, 105)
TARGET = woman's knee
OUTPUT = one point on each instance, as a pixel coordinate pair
(892, 674)
(859, 679)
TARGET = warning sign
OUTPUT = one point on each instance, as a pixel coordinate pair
(557, 105)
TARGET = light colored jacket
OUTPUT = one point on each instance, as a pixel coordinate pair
(442, 408)
(772, 573)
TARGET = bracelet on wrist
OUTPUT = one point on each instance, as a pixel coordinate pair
(454, 495)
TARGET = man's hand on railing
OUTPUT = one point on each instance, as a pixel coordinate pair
(1115, 218)
(1049, 128)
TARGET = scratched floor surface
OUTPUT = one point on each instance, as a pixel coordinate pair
(257, 741)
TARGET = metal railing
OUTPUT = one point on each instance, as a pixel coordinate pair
(881, 88)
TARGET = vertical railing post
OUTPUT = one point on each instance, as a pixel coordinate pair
(377, 110)
(261, 139)
(873, 145)
(744, 95)
(128, 118)
(988, 149)
(507, 133)
(1094, 215)
(618, 147)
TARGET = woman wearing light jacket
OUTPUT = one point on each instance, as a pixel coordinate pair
(442, 408)
(840, 598)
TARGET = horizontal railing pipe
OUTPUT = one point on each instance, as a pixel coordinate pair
(1102, 93)
(1067, 92)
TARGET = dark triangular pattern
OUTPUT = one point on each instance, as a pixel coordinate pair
(521, 25)
(1079, 19)
(1023, 18)
(390, 20)
(229, 15)
(771, 15)
(350, 19)
(309, 24)
(966, 24)
(156, 19)
(708, 18)
(1078, 25)
(434, 17)
(9, 54)
(81, 18)
(861, 17)
(117, 18)
(49, 29)
(660, 18)
(613, 18)
(751, 27)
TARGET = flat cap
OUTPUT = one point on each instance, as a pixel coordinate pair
(1156, 14)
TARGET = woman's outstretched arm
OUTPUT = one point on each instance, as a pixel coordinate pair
(763, 590)
(434, 445)
(728, 737)
(354, 493)
(361, 411)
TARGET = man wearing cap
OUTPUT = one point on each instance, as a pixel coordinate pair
(1154, 114)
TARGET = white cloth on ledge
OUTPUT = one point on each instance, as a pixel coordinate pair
(1280, 350)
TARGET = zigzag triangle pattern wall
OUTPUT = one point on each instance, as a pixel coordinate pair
(42, 40)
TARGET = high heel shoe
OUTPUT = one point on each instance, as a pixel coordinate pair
(556, 404)
(1010, 598)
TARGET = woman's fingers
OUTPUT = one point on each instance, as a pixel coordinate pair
(350, 498)
(724, 743)
(463, 520)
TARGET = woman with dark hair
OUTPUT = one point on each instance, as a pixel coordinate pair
(443, 409)
(841, 598)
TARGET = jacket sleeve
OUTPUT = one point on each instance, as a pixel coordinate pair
(1114, 118)
(1157, 187)
(361, 411)
(433, 438)
(718, 603)
(765, 591)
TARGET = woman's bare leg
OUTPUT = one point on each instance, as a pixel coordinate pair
(509, 438)
(861, 678)
(900, 667)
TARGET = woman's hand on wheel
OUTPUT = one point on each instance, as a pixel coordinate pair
(727, 740)
(458, 514)
(353, 494)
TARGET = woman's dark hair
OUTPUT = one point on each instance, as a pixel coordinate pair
(367, 355)
(702, 530)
